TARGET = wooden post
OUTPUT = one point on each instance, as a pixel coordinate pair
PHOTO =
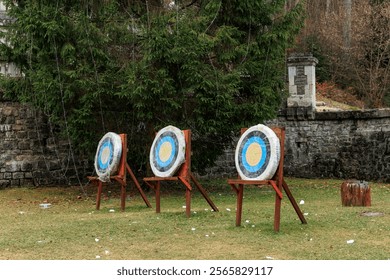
(240, 195)
(158, 208)
(122, 171)
(99, 194)
(355, 193)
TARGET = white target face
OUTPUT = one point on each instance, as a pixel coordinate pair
(257, 153)
(167, 152)
(108, 156)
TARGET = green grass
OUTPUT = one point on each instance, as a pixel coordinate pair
(73, 229)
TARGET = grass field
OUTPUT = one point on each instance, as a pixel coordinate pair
(71, 229)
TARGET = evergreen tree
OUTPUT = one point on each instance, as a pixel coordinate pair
(212, 66)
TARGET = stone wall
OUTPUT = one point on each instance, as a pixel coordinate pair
(29, 154)
(343, 144)
(332, 144)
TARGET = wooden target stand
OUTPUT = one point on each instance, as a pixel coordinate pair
(185, 176)
(277, 182)
(124, 168)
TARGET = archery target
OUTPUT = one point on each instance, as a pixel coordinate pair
(167, 152)
(108, 156)
(257, 153)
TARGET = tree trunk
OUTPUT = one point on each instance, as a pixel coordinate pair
(327, 10)
(347, 24)
(355, 193)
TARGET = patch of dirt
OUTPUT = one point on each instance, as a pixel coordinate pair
(332, 98)
(372, 214)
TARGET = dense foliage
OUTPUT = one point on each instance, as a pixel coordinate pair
(211, 66)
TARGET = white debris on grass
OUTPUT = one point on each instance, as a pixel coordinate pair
(22, 212)
(269, 258)
(111, 210)
(351, 241)
(305, 214)
(247, 221)
(97, 257)
(193, 229)
(228, 209)
(302, 202)
(97, 239)
(45, 205)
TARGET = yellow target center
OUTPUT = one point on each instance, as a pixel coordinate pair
(165, 151)
(105, 155)
(253, 154)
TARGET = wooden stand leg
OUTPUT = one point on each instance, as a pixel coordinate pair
(294, 203)
(204, 193)
(99, 195)
(187, 184)
(135, 181)
(240, 196)
(123, 197)
(158, 197)
(188, 202)
(278, 203)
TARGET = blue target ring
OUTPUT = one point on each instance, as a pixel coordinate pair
(257, 153)
(108, 155)
(105, 160)
(167, 152)
(171, 141)
(261, 160)
(254, 168)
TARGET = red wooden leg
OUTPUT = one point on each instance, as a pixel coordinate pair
(123, 197)
(188, 202)
(278, 203)
(99, 195)
(240, 195)
(158, 197)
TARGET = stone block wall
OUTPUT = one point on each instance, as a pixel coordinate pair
(29, 154)
(344, 145)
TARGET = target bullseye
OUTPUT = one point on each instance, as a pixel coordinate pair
(108, 156)
(257, 153)
(253, 154)
(167, 152)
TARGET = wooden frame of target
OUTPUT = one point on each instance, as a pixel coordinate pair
(183, 175)
(277, 182)
(123, 170)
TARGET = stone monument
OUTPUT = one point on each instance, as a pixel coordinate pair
(301, 85)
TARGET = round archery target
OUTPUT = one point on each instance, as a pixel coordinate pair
(257, 153)
(167, 152)
(108, 156)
